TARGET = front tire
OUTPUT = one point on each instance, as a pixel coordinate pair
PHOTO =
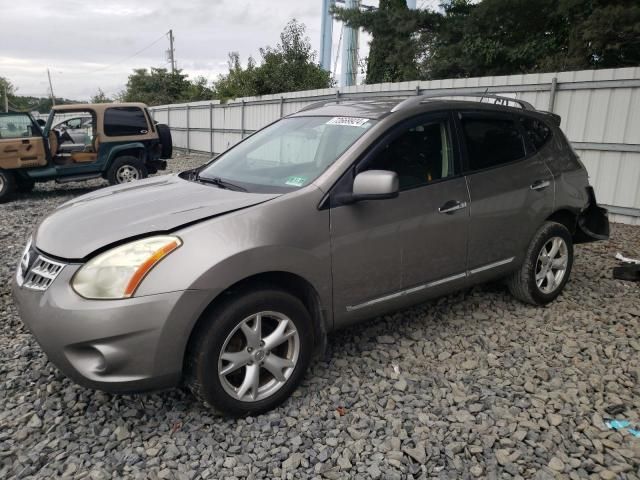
(251, 352)
(126, 169)
(7, 185)
(546, 267)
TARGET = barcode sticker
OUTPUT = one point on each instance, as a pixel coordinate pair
(348, 121)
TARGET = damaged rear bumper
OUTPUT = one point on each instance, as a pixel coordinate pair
(593, 221)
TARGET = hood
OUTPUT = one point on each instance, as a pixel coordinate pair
(90, 222)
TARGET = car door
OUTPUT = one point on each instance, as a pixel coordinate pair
(387, 254)
(511, 191)
(21, 142)
(75, 130)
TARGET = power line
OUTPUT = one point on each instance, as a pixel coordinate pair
(335, 63)
(102, 69)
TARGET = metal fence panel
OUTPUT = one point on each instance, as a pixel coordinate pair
(600, 112)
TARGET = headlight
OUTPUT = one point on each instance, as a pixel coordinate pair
(118, 272)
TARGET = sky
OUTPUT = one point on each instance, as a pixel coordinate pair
(89, 44)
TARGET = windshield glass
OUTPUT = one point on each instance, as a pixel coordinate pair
(287, 155)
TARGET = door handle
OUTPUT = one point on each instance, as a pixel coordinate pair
(11, 150)
(540, 184)
(451, 206)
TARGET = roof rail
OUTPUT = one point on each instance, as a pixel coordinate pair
(498, 99)
(313, 105)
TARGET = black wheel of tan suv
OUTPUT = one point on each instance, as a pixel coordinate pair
(7, 185)
(126, 169)
(546, 267)
(251, 352)
(25, 185)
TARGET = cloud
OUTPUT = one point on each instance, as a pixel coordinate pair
(85, 44)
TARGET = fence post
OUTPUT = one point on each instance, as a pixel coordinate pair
(211, 128)
(242, 120)
(552, 93)
(188, 132)
(169, 116)
(281, 106)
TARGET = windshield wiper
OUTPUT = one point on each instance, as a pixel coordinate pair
(218, 182)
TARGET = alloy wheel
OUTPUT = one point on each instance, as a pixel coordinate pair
(127, 173)
(259, 356)
(551, 265)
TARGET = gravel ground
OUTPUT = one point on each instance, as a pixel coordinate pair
(472, 385)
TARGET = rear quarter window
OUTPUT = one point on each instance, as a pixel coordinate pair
(538, 132)
(125, 121)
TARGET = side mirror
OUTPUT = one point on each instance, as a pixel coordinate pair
(375, 185)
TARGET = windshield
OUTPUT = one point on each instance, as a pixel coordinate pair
(288, 154)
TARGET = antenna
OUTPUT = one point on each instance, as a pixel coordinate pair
(485, 92)
(53, 97)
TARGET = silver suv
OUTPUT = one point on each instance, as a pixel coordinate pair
(228, 277)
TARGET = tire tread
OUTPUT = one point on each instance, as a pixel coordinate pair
(519, 282)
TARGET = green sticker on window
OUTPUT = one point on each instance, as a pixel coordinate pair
(295, 181)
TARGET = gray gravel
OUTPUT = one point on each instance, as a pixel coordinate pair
(474, 385)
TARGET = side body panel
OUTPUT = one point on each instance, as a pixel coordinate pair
(570, 175)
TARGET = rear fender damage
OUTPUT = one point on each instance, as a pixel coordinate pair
(593, 221)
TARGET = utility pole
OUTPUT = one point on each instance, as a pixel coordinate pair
(6, 99)
(326, 36)
(350, 50)
(53, 97)
(171, 53)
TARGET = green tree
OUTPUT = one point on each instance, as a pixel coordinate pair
(396, 31)
(501, 37)
(100, 97)
(238, 82)
(158, 86)
(289, 67)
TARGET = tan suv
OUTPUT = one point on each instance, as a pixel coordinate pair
(116, 141)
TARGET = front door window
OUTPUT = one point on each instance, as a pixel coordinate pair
(419, 156)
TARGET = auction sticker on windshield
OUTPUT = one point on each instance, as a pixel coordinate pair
(348, 121)
(295, 181)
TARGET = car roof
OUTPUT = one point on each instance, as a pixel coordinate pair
(377, 108)
(95, 106)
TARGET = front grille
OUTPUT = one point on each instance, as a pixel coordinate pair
(41, 274)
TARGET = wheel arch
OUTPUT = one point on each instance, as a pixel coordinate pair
(289, 282)
(566, 217)
(130, 149)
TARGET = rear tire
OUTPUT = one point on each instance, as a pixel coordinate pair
(7, 185)
(546, 267)
(126, 169)
(223, 357)
(25, 185)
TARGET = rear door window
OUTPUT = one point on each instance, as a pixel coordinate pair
(492, 141)
(125, 121)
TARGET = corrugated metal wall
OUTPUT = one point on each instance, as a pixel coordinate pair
(600, 112)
